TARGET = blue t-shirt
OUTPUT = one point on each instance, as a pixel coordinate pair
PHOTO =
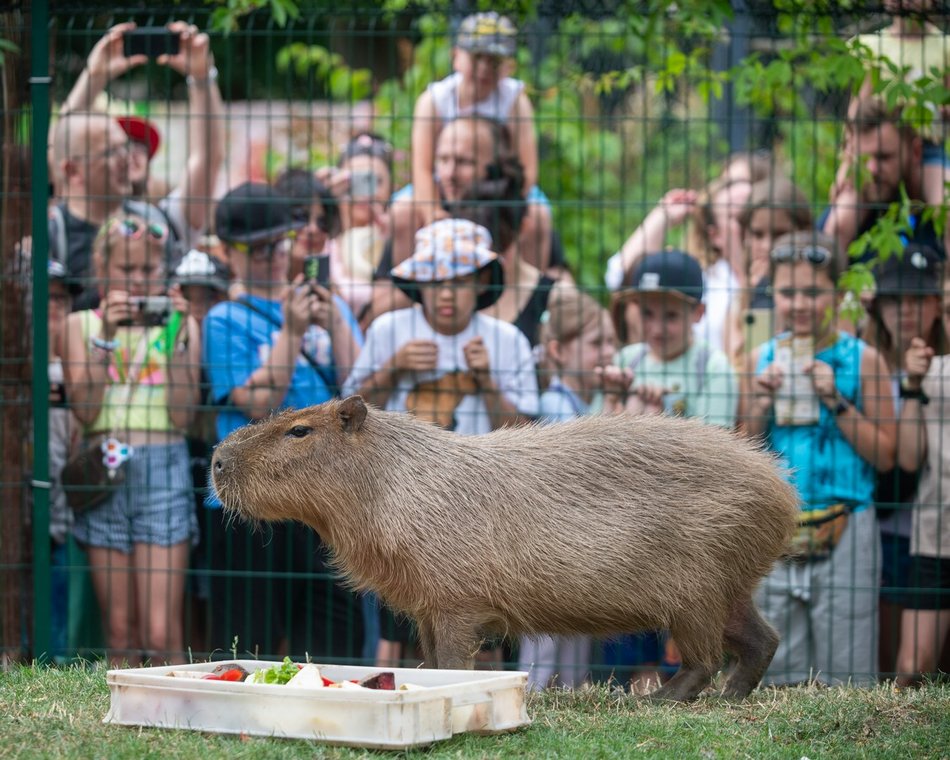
(559, 403)
(821, 464)
(237, 340)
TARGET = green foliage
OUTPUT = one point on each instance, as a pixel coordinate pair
(7, 46)
(225, 18)
(342, 82)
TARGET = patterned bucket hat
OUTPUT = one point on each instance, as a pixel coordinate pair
(487, 34)
(446, 250)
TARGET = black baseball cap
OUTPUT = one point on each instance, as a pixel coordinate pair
(915, 271)
(253, 213)
(670, 271)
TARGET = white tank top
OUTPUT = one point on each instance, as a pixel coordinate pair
(497, 106)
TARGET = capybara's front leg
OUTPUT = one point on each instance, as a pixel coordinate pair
(427, 643)
(752, 641)
(455, 643)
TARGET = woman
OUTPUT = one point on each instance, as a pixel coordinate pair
(356, 251)
(904, 321)
(132, 378)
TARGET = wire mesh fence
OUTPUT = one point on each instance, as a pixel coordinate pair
(483, 218)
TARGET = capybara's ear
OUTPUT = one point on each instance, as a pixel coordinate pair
(352, 413)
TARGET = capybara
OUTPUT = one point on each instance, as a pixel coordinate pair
(601, 525)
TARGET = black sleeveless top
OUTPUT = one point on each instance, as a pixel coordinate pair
(529, 320)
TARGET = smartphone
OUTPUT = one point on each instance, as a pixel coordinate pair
(152, 41)
(363, 185)
(154, 310)
(317, 269)
(796, 402)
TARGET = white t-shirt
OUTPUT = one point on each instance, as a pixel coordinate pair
(512, 363)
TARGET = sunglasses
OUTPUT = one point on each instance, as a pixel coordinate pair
(134, 229)
(816, 255)
(267, 251)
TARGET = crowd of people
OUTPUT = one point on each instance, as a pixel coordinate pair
(172, 324)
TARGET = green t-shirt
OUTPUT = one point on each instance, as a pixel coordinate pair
(700, 382)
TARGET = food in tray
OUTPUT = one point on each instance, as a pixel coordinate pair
(296, 675)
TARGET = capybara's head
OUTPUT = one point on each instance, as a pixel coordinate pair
(289, 466)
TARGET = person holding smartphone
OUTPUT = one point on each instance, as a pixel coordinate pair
(280, 345)
(133, 386)
(823, 596)
(184, 49)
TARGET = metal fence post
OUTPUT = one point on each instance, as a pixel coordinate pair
(39, 101)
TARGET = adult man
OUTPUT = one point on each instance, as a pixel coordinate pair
(91, 165)
(97, 164)
(881, 155)
(277, 346)
(464, 153)
(471, 158)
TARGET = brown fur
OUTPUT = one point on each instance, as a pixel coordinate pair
(601, 525)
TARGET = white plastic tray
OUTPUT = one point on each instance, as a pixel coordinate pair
(454, 701)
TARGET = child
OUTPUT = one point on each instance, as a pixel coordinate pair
(925, 619)
(439, 358)
(577, 337)
(670, 372)
(132, 381)
(673, 371)
(475, 373)
(480, 86)
(823, 404)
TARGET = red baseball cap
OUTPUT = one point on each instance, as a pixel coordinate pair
(141, 130)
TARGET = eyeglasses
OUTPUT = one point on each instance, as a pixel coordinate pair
(113, 151)
(267, 251)
(133, 228)
(816, 255)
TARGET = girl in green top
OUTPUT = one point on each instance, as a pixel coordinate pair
(132, 377)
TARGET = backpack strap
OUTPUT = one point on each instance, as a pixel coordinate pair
(311, 360)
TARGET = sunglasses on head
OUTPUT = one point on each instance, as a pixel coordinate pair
(816, 255)
(132, 228)
(267, 251)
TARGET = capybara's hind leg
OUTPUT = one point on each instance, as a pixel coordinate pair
(752, 641)
(686, 684)
(700, 654)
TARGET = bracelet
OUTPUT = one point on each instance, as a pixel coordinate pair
(102, 344)
(212, 76)
(911, 393)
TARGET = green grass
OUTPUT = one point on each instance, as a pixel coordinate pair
(53, 713)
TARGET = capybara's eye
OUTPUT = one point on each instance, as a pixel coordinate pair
(300, 431)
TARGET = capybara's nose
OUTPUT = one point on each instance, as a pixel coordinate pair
(219, 462)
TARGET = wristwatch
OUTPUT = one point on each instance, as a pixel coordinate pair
(841, 405)
(911, 393)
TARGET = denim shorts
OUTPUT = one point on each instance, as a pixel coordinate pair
(154, 505)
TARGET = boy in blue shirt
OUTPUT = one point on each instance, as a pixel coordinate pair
(279, 345)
